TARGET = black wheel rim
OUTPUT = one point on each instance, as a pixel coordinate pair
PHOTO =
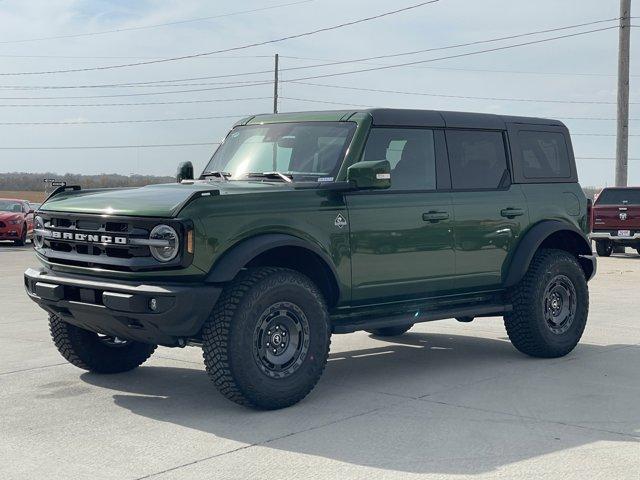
(559, 304)
(281, 340)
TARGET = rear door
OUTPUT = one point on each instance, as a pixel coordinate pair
(490, 213)
(402, 238)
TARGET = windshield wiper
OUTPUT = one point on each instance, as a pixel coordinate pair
(283, 176)
(222, 175)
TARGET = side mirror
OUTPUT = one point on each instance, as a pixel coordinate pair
(371, 174)
(31, 210)
(185, 171)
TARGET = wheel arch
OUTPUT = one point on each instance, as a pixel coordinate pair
(550, 234)
(282, 250)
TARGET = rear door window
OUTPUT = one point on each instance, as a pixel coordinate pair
(544, 154)
(477, 159)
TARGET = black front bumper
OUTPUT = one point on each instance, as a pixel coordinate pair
(160, 313)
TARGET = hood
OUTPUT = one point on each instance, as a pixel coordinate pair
(6, 216)
(164, 200)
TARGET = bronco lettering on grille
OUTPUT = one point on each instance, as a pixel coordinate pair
(89, 237)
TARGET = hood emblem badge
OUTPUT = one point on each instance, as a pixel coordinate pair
(340, 221)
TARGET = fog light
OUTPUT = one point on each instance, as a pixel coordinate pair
(153, 304)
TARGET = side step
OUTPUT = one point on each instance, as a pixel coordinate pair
(484, 310)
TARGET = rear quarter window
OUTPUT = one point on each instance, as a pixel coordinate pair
(544, 155)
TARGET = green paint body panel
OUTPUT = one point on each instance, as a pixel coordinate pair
(388, 254)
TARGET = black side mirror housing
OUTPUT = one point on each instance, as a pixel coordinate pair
(370, 174)
(185, 171)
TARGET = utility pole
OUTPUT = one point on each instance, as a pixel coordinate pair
(622, 134)
(275, 85)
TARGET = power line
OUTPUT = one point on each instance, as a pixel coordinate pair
(86, 147)
(133, 104)
(480, 70)
(144, 27)
(226, 87)
(374, 106)
(465, 97)
(313, 77)
(460, 55)
(327, 102)
(603, 158)
(599, 135)
(152, 120)
(240, 47)
(155, 84)
(328, 62)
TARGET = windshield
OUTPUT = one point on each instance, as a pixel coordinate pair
(619, 196)
(304, 151)
(10, 206)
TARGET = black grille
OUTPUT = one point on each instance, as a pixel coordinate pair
(98, 254)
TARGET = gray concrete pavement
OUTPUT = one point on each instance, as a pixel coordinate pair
(446, 400)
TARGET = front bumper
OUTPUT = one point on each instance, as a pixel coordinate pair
(124, 309)
(10, 232)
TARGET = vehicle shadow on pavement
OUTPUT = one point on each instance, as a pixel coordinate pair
(420, 403)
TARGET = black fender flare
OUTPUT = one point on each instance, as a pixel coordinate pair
(532, 240)
(235, 258)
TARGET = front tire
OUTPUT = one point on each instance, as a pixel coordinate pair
(604, 248)
(267, 340)
(390, 331)
(23, 237)
(96, 353)
(550, 306)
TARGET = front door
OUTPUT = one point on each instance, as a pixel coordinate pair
(402, 238)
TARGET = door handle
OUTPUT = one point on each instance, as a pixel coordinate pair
(434, 216)
(512, 212)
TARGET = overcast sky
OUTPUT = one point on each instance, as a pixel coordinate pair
(578, 69)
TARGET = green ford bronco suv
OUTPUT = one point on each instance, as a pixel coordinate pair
(308, 224)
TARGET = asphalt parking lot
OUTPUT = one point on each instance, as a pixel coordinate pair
(446, 400)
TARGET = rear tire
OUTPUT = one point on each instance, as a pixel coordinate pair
(390, 331)
(99, 354)
(550, 306)
(604, 248)
(267, 340)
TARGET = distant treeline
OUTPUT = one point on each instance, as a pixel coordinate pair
(35, 181)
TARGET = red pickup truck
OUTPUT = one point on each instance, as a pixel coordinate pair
(616, 219)
(16, 220)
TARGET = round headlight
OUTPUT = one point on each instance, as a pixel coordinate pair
(38, 239)
(170, 243)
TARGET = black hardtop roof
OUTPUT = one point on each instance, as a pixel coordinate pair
(406, 118)
(437, 118)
